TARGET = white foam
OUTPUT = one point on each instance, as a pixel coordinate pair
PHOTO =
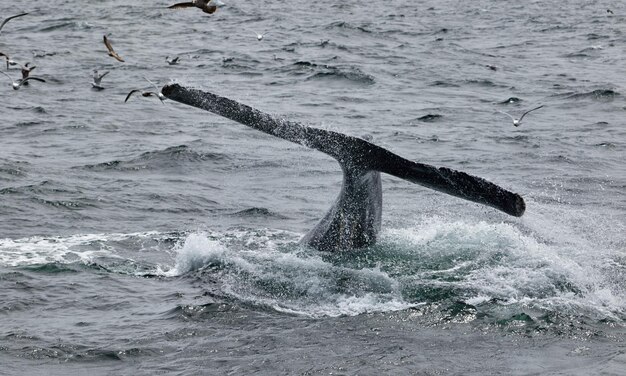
(196, 252)
(38, 250)
(310, 283)
(515, 266)
(347, 305)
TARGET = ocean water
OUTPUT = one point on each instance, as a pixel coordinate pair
(145, 238)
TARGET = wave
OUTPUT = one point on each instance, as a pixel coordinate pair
(510, 100)
(10, 169)
(67, 24)
(169, 157)
(42, 53)
(325, 71)
(352, 75)
(430, 118)
(55, 193)
(257, 212)
(482, 82)
(598, 94)
(347, 25)
(80, 353)
(440, 83)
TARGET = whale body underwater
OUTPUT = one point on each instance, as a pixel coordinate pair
(354, 220)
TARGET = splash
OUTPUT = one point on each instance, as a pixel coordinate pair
(500, 269)
(500, 265)
(286, 278)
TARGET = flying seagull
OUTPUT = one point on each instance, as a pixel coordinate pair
(206, 6)
(158, 91)
(518, 122)
(26, 69)
(112, 53)
(8, 59)
(144, 93)
(260, 36)
(9, 19)
(19, 83)
(97, 79)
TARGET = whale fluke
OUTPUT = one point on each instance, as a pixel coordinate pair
(354, 220)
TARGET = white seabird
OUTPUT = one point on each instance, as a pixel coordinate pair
(518, 122)
(17, 84)
(97, 79)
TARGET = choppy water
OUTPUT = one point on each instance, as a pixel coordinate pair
(141, 238)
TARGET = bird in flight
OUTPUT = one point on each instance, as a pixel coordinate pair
(112, 52)
(26, 69)
(145, 93)
(17, 84)
(518, 122)
(7, 59)
(207, 6)
(97, 79)
(9, 19)
(260, 36)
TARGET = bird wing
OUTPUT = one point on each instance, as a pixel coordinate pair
(102, 75)
(7, 76)
(10, 18)
(536, 108)
(131, 93)
(6, 57)
(152, 93)
(111, 51)
(152, 83)
(33, 78)
(209, 9)
(182, 5)
(507, 114)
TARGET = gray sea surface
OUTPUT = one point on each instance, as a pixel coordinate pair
(143, 238)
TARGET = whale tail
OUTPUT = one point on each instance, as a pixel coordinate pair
(354, 153)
